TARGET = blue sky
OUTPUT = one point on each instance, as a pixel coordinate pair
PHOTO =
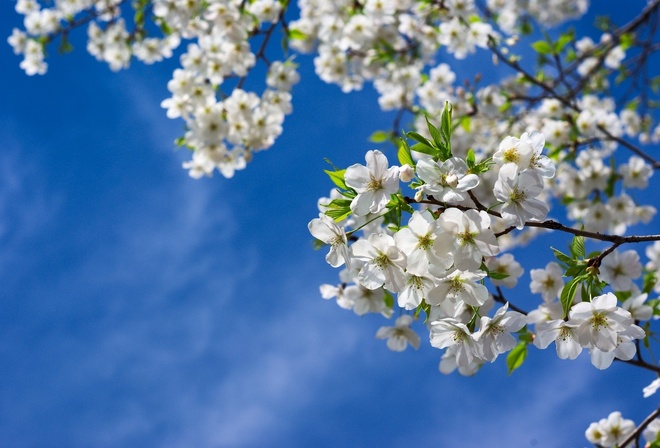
(139, 307)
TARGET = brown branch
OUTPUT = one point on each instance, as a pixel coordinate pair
(642, 364)
(547, 224)
(636, 433)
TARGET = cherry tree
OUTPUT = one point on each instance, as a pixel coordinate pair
(473, 166)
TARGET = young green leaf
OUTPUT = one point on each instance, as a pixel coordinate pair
(337, 178)
(389, 300)
(425, 149)
(404, 156)
(563, 258)
(577, 247)
(568, 294)
(295, 34)
(446, 127)
(470, 159)
(542, 47)
(419, 138)
(380, 136)
(435, 134)
(516, 357)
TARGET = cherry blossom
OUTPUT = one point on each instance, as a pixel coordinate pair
(400, 335)
(374, 183)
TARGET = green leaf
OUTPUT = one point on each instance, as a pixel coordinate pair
(165, 28)
(482, 166)
(493, 274)
(419, 138)
(318, 244)
(466, 123)
(655, 84)
(497, 275)
(525, 336)
(389, 299)
(339, 203)
(404, 156)
(470, 159)
(577, 247)
(295, 34)
(568, 293)
(338, 214)
(574, 271)
(542, 47)
(435, 134)
(423, 307)
(425, 149)
(564, 40)
(563, 258)
(339, 209)
(445, 131)
(380, 136)
(516, 357)
(626, 40)
(337, 178)
(526, 27)
(603, 23)
(65, 45)
(649, 282)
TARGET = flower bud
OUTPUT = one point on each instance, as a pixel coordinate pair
(419, 195)
(406, 173)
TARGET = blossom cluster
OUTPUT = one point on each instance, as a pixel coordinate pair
(437, 261)
(223, 129)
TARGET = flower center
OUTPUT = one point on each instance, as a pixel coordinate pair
(425, 242)
(517, 195)
(375, 184)
(511, 155)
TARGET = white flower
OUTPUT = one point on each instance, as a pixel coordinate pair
(516, 151)
(448, 363)
(614, 57)
(366, 300)
(545, 312)
(637, 307)
(549, 281)
(459, 286)
(652, 432)
(374, 183)
(599, 321)
(538, 161)
(636, 173)
(651, 388)
(325, 229)
(330, 291)
(400, 335)
(416, 241)
(384, 262)
(447, 181)
(449, 332)
(562, 333)
(518, 192)
(625, 348)
(620, 268)
(507, 265)
(470, 236)
(417, 287)
(610, 431)
(495, 333)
